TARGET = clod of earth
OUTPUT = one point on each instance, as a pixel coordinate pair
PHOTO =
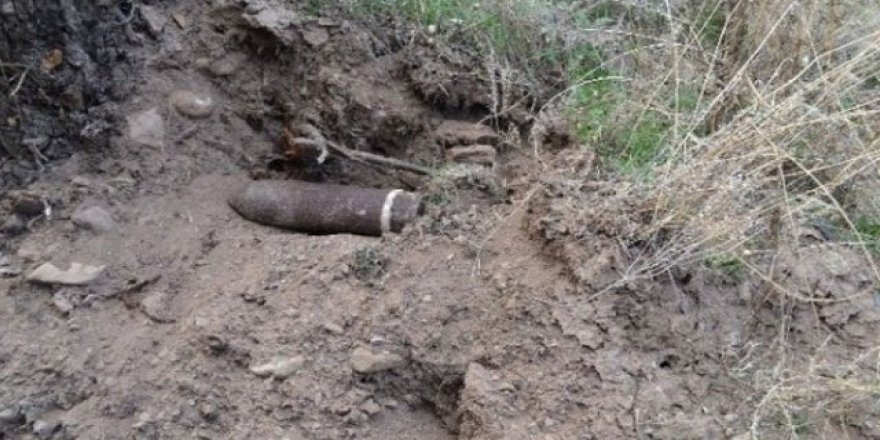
(326, 208)
(192, 104)
(279, 368)
(77, 275)
(365, 360)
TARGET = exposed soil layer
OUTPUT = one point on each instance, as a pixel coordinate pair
(487, 318)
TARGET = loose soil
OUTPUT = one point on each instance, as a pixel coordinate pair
(492, 307)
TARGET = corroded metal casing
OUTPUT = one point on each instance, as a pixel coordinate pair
(320, 208)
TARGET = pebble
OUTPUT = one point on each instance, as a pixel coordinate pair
(180, 19)
(147, 128)
(154, 20)
(192, 104)
(371, 407)
(77, 275)
(333, 328)
(8, 8)
(364, 360)
(10, 416)
(14, 225)
(315, 36)
(156, 306)
(44, 429)
(93, 218)
(228, 65)
(279, 368)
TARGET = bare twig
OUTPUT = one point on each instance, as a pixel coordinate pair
(316, 140)
(20, 81)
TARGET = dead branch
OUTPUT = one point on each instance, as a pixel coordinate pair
(315, 139)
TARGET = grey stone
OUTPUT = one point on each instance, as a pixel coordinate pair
(333, 328)
(154, 20)
(44, 429)
(281, 368)
(229, 64)
(8, 8)
(371, 407)
(77, 275)
(10, 272)
(316, 36)
(364, 360)
(147, 128)
(10, 416)
(93, 218)
(156, 307)
(192, 104)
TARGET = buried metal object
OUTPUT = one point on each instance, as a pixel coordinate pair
(326, 208)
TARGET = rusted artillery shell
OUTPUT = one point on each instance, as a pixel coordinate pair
(326, 208)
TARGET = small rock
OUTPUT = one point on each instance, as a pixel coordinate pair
(390, 403)
(476, 154)
(371, 407)
(81, 181)
(229, 64)
(154, 20)
(147, 128)
(9, 272)
(93, 218)
(77, 275)
(156, 307)
(279, 368)
(315, 36)
(333, 328)
(8, 8)
(326, 22)
(364, 360)
(355, 418)
(62, 303)
(14, 225)
(44, 429)
(340, 408)
(208, 411)
(180, 19)
(11, 416)
(191, 104)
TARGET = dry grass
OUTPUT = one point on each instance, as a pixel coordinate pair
(740, 130)
(776, 156)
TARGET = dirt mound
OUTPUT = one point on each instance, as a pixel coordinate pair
(65, 66)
